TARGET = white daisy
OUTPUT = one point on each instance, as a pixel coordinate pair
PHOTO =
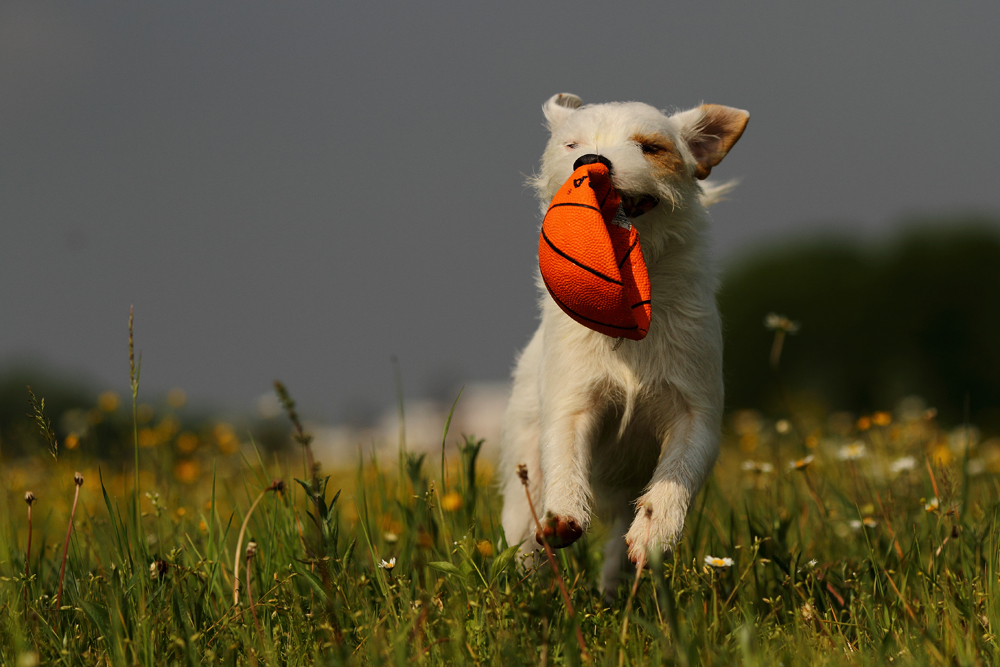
(801, 464)
(757, 466)
(904, 463)
(712, 561)
(852, 452)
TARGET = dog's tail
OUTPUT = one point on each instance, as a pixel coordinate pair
(713, 193)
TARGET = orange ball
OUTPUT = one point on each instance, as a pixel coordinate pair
(590, 257)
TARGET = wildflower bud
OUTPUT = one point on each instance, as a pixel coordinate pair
(158, 568)
(29, 498)
(78, 479)
(251, 550)
(277, 485)
(522, 473)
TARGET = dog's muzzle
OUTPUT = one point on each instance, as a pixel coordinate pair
(633, 205)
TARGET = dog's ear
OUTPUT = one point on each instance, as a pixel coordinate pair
(559, 107)
(710, 131)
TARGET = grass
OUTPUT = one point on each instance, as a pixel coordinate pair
(882, 547)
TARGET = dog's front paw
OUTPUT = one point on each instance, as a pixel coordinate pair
(653, 530)
(559, 531)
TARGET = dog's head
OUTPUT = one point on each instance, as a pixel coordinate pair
(657, 161)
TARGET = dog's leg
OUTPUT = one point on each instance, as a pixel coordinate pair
(568, 428)
(687, 456)
(519, 445)
(614, 552)
(518, 524)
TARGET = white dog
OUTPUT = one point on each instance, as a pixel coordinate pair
(632, 426)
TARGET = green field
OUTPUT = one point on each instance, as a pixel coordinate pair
(880, 548)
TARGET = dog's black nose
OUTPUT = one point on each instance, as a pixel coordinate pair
(590, 158)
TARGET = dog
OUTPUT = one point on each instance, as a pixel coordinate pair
(629, 429)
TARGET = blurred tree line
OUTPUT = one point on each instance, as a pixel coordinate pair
(918, 314)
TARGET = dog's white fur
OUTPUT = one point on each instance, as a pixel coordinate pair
(631, 431)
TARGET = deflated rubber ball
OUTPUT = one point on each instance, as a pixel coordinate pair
(590, 257)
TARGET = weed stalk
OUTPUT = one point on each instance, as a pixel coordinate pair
(276, 485)
(134, 370)
(44, 425)
(639, 565)
(29, 498)
(78, 481)
(522, 473)
(251, 552)
(300, 435)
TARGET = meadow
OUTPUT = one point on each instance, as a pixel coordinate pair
(821, 538)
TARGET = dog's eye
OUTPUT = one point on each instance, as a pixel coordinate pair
(652, 149)
(572, 145)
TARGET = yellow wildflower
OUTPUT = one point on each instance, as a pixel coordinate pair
(187, 442)
(176, 398)
(881, 418)
(108, 401)
(451, 502)
(226, 438)
(148, 438)
(485, 548)
(187, 471)
(144, 413)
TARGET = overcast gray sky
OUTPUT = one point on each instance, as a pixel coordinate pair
(299, 190)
